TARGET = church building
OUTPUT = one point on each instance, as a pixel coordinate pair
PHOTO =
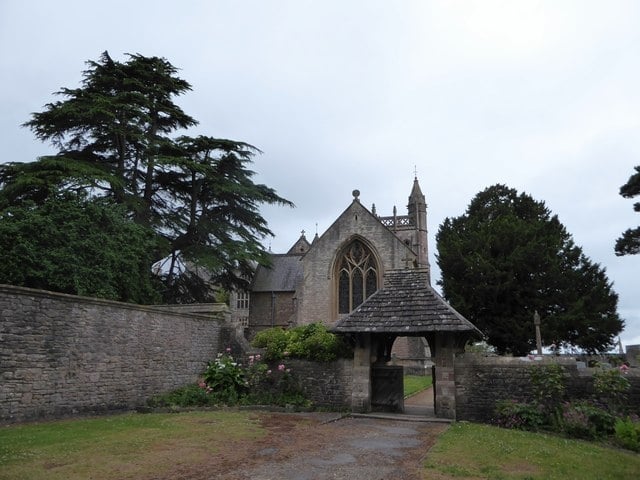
(368, 277)
(328, 278)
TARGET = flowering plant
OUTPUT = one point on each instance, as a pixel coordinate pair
(230, 382)
(225, 378)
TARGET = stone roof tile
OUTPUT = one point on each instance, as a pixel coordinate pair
(284, 275)
(405, 304)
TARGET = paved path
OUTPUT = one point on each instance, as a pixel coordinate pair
(347, 449)
(362, 448)
(420, 404)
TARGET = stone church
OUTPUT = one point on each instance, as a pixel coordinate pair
(328, 278)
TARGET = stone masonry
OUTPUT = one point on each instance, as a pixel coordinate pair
(316, 296)
(63, 354)
(481, 382)
(327, 385)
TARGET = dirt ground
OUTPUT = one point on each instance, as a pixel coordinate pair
(319, 446)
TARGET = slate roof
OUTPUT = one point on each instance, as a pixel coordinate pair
(406, 304)
(284, 275)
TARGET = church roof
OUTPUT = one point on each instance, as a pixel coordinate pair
(416, 192)
(301, 247)
(284, 275)
(406, 304)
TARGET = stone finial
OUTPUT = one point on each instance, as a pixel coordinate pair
(356, 194)
(373, 208)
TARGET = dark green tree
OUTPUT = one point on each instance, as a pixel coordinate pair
(629, 242)
(113, 136)
(507, 257)
(78, 246)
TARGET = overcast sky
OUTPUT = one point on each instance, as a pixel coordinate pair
(541, 96)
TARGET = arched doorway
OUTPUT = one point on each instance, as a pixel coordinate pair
(406, 305)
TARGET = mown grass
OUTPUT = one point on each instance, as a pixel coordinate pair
(473, 451)
(118, 447)
(136, 446)
(415, 383)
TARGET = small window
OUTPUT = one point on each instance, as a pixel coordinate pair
(243, 321)
(242, 300)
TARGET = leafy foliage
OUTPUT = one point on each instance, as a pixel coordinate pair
(629, 242)
(507, 257)
(275, 341)
(627, 433)
(521, 416)
(77, 246)
(188, 396)
(583, 419)
(592, 418)
(611, 389)
(113, 141)
(547, 383)
(310, 342)
(226, 381)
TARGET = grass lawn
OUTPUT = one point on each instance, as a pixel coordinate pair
(415, 383)
(119, 446)
(473, 451)
(135, 446)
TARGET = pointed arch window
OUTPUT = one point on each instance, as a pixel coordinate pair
(357, 276)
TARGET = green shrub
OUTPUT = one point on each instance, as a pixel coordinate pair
(586, 420)
(309, 342)
(189, 396)
(225, 378)
(547, 382)
(227, 382)
(274, 341)
(627, 434)
(611, 388)
(522, 416)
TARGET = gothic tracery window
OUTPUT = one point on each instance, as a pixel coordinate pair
(357, 276)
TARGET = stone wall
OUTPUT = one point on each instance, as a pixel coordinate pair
(481, 382)
(270, 309)
(63, 354)
(327, 385)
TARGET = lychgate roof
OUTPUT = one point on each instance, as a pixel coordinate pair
(406, 304)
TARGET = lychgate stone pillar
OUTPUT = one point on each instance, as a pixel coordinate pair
(447, 344)
(361, 393)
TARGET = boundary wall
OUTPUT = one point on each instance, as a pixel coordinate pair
(68, 355)
(482, 381)
(327, 384)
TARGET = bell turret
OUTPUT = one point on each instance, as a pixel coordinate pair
(417, 210)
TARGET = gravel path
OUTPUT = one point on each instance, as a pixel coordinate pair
(321, 446)
(349, 449)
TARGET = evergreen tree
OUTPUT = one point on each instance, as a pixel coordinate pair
(507, 257)
(113, 141)
(629, 242)
(78, 246)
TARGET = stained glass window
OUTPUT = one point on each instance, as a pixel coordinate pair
(357, 276)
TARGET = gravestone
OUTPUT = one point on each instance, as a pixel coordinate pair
(633, 355)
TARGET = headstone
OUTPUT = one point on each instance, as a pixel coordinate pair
(633, 355)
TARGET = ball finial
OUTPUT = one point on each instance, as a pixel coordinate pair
(356, 194)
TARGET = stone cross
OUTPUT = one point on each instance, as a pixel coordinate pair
(536, 322)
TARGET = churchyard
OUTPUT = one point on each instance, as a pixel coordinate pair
(240, 444)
